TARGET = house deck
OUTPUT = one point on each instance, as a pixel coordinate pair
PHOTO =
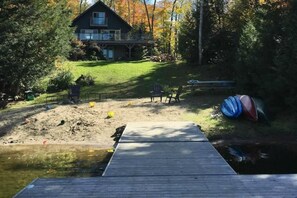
(165, 159)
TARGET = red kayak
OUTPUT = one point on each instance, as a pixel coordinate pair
(249, 107)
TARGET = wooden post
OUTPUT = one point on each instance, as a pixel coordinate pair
(130, 46)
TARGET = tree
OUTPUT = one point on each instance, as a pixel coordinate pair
(188, 38)
(148, 16)
(200, 32)
(267, 52)
(171, 24)
(83, 5)
(32, 35)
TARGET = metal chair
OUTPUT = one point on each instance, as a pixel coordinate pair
(157, 91)
(74, 93)
(174, 95)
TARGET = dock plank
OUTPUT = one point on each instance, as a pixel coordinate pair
(161, 131)
(167, 158)
(168, 186)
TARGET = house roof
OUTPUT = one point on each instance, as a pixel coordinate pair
(105, 6)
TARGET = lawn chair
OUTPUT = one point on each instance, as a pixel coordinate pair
(174, 95)
(74, 93)
(157, 91)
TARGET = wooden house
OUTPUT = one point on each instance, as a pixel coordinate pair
(113, 34)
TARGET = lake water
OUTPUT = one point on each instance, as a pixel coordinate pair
(261, 158)
(19, 165)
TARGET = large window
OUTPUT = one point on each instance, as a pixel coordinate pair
(88, 34)
(111, 34)
(99, 18)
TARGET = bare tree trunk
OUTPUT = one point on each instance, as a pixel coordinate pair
(80, 6)
(200, 32)
(171, 24)
(153, 18)
(147, 15)
(83, 4)
(175, 38)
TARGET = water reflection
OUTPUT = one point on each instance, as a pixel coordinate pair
(261, 158)
(19, 165)
(252, 155)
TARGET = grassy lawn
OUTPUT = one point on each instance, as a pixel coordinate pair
(135, 79)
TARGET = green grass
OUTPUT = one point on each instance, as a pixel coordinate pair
(135, 78)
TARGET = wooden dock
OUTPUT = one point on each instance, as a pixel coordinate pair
(165, 159)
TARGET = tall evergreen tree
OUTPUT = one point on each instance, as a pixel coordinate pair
(33, 34)
(266, 59)
(188, 38)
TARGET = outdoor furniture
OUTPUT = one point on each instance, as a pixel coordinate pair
(174, 95)
(3, 100)
(157, 91)
(211, 85)
(74, 93)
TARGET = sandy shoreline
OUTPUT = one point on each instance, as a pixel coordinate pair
(81, 124)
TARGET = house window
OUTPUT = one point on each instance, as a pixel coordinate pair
(99, 18)
(111, 35)
(88, 34)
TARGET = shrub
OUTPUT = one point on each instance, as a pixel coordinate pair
(78, 51)
(40, 86)
(163, 58)
(60, 81)
(140, 52)
(93, 51)
(86, 80)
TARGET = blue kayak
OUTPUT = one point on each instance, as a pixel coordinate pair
(232, 107)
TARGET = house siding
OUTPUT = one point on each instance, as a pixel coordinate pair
(114, 22)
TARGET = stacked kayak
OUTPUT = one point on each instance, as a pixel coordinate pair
(251, 108)
(232, 107)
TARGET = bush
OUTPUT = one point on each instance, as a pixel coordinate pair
(60, 81)
(140, 52)
(88, 51)
(39, 87)
(86, 80)
(78, 50)
(163, 58)
(93, 51)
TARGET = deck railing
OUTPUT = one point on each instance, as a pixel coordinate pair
(111, 37)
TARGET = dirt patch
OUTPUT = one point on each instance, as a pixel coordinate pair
(80, 123)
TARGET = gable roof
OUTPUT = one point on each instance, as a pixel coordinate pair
(105, 6)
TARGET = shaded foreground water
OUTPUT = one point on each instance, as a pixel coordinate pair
(261, 158)
(19, 165)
